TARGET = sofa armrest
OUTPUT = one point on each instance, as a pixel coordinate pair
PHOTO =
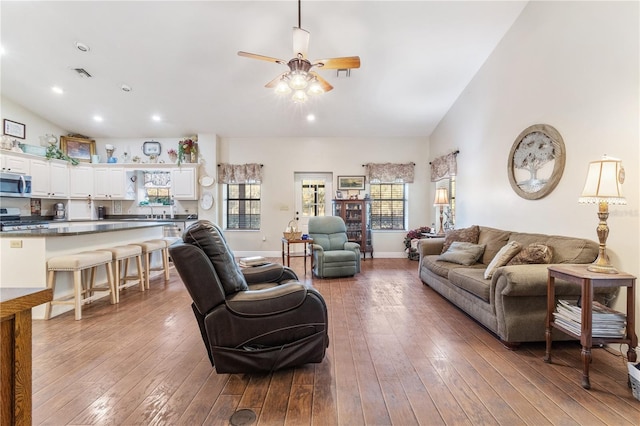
(269, 301)
(429, 246)
(521, 280)
(269, 273)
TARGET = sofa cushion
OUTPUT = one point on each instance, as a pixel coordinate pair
(534, 253)
(210, 239)
(565, 249)
(471, 280)
(469, 235)
(438, 267)
(494, 240)
(462, 253)
(501, 258)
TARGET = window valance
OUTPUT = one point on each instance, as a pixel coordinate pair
(444, 167)
(240, 173)
(390, 172)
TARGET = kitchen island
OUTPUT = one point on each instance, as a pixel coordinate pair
(24, 254)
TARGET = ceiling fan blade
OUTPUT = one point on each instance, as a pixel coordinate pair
(273, 83)
(262, 58)
(323, 83)
(346, 62)
(300, 42)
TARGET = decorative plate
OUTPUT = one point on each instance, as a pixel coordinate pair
(206, 202)
(206, 181)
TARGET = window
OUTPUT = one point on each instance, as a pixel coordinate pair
(388, 206)
(243, 206)
(157, 188)
(313, 197)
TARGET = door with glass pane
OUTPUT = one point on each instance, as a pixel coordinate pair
(313, 197)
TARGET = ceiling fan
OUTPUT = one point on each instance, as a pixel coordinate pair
(300, 79)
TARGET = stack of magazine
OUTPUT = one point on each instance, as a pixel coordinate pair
(605, 322)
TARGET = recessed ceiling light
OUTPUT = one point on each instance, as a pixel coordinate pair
(311, 118)
(58, 90)
(156, 117)
(126, 88)
(97, 118)
(82, 47)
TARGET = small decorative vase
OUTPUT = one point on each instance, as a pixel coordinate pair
(194, 157)
(173, 157)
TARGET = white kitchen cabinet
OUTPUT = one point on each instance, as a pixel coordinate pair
(49, 178)
(183, 183)
(13, 163)
(110, 183)
(81, 181)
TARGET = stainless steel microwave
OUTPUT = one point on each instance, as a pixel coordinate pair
(15, 185)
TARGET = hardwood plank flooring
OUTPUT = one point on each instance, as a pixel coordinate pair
(399, 354)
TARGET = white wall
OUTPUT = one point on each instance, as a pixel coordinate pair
(283, 157)
(36, 126)
(573, 65)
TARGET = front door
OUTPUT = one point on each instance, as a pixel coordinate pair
(313, 197)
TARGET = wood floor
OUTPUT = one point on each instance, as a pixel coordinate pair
(399, 354)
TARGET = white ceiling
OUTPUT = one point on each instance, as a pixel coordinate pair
(181, 60)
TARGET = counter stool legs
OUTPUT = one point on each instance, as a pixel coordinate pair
(83, 287)
(149, 247)
(121, 256)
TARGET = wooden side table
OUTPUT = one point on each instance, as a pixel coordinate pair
(15, 351)
(578, 274)
(287, 255)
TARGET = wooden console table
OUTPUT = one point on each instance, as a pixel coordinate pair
(578, 274)
(15, 352)
(286, 254)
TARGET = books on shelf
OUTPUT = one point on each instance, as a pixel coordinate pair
(605, 322)
(246, 262)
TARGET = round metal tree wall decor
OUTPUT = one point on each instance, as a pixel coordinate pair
(536, 161)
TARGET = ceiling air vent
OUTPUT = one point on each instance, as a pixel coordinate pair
(82, 72)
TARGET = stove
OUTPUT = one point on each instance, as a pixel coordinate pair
(10, 220)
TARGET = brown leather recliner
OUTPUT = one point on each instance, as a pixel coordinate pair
(255, 319)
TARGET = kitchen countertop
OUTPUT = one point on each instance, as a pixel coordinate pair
(84, 227)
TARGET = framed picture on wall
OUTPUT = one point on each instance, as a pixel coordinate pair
(79, 148)
(15, 129)
(351, 182)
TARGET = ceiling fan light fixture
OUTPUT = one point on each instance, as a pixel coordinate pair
(299, 80)
(299, 97)
(315, 88)
(282, 88)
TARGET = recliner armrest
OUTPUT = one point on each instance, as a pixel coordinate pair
(351, 246)
(268, 301)
(269, 273)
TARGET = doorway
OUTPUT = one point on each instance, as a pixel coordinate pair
(313, 196)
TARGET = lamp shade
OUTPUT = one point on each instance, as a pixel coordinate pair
(604, 182)
(442, 197)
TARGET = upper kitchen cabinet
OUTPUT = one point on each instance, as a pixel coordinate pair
(49, 178)
(183, 183)
(110, 183)
(81, 183)
(14, 163)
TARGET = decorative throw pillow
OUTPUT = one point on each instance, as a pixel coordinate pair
(209, 237)
(502, 257)
(467, 235)
(532, 254)
(462, 253)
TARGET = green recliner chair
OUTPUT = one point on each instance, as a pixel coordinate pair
(333, 254)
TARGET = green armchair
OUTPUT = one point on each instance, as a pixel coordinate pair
(333, 254)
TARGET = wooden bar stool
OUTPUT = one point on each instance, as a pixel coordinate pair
(149, 247)
(121, 256)
(83, 289)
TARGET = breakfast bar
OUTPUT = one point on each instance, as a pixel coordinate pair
(24, 253)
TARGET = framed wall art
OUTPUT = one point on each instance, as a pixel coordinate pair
(79, 148)
(536, 161)
(350, 182)
(15, 129)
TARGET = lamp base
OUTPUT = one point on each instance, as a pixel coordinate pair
(602, 266)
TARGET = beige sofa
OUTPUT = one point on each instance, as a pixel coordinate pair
(512, 303)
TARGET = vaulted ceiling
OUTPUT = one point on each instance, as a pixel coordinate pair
(180, 60)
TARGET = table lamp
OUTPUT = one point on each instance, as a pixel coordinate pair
(441, 200)
(603, 187)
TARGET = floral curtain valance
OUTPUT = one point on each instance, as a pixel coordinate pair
(390, 172)
(240, 173)
(444, 167)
